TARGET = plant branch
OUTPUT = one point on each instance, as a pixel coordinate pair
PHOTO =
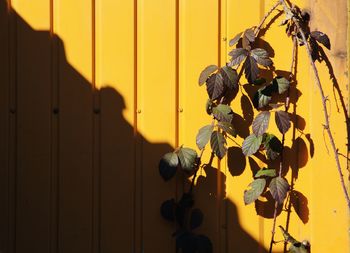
(286, 107)
(324, 99)
(257, 30)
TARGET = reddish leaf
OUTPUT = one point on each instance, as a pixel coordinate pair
(238, 55)
(215, 86)
(261, 123)
(322, 38)
(251, 69)
(282, 121)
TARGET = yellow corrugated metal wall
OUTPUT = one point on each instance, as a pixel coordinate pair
(94, 92)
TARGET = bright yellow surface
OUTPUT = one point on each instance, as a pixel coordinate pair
(151, 109)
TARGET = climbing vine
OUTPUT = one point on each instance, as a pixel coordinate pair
(271, 97)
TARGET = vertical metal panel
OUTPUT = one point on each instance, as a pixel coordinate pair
(115, 80)
(73, 26)
(4, 125)
(156, 107)
(199, 35)
(33, 129)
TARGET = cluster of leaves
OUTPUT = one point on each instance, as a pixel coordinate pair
(314, 38)
(183, 212)
(188, 219)
(251, 57)
(266, 179)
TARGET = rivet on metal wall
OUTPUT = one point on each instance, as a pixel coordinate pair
(139, 111)
(181, 110)
(97, 110)
(55, 110)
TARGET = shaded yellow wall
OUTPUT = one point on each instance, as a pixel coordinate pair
(93, 93)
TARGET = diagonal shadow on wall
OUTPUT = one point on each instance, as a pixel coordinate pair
(73, 171)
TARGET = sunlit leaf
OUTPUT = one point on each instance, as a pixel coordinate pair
(282, 121)
(168, 165)
(215, 86)
(203, 136)
(261, 123)
(238, 55)
(196, 218)
(230, 77)
(266, 173)
(218, 144)
(228, 128)
(279, 188)
(261, 56)
(206, 73)
(322, 38)
(251, 144)
(249, 34)
(223, 113)
(282, 83)
(256, 189)
(187, 157)
(235, 39)
(251, 69)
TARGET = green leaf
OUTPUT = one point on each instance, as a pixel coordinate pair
(279, 188)
(256, 189)
(215, 86)
(266, 173)
(235, 39)
(168, 165)
(187, 157)
(203, 136)
(223, 113)
(249, 34)
(230, 77)
(206, 73)
(282, 83)
(261, 123)
(228, 128)
(282, 121)
(218, 144)
(251, 69)
(261, 100)
(251, 144)
(261, 56)
(238, 55)
(322, 38)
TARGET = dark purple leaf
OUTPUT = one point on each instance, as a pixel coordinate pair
(261, 56)
(215, 86)
(235, 39)
(282, 121)
(251, 69)
(238, 55)
(230, 77)
(261, 123)
(168, 165)
(279, 188)
(218, 144)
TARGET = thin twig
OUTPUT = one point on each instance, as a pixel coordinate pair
(324, 99)
(257, 30)
(286, 107)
